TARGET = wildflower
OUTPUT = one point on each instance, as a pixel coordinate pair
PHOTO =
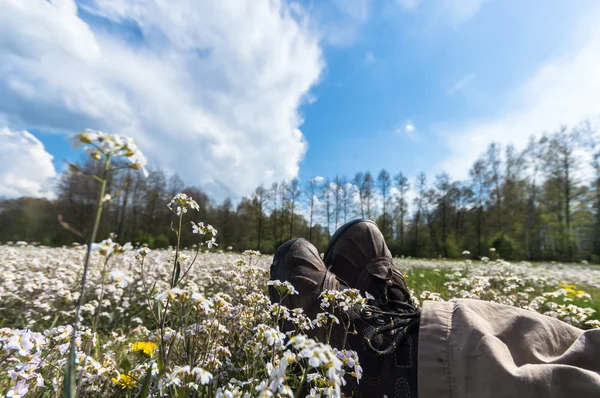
(147, 347)
(103, 144)
(124, 381)
(18, 391)
(593, 323)
(211, 230)
(211, 242)
(199, 228)
(202, 376)
(121, 278)
(283, 288)
(181, 203)
(142, 252)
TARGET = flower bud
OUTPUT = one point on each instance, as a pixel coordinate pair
(85, 138)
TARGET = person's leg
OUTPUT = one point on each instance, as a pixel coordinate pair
(466, 348)
(385, 336)
(298, 262)
(358, 255)
(462, 348)
(478, 349)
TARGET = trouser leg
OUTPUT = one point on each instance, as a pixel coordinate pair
(478, 349)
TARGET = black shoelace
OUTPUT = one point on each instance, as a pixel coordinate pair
(398, 326)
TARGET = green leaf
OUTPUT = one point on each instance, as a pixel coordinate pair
(177, 272)
(146, 386)
(160, 364)
(125, 365)
(69, 383)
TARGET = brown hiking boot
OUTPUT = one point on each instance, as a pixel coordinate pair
(297, 261)
(386, 332)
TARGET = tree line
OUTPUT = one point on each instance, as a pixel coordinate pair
(539, 203)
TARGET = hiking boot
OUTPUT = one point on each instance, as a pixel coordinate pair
(358, 256)
(386, 330)
(297, 261)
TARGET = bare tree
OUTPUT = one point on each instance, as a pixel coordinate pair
(283, 202)
(384, 183)
(368, 191)
(337, 195)
(294, 193)
(562, 165)
(533, 156)
(494, 178)
(311, 191)
(421, 188)
(274, 195)
(346, 198)
(480, 187)
(326, 192)
(444, 188)
(359, 183)
(261, 196)
(403, 186)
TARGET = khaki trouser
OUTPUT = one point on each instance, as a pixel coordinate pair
(478, 349)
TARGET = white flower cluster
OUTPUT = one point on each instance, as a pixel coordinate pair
(202, 229)
(181, 203)
(225, 334)
(98, 144)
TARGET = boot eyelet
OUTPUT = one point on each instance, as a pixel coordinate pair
(366, 313)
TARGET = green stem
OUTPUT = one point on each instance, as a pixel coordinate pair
(301, 384)
(97, 311)
(70, 384)
(173, 281)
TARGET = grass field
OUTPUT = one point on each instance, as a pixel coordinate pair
(223, 334)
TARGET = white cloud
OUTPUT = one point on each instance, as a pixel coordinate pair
(26, 168)
(339, 21)
(408, 130)
(459, 11)
(564, 91)
(357, 10)
(461, 84)
(454, 12)
(209, 89)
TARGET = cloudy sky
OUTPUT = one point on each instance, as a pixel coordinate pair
(233, 93)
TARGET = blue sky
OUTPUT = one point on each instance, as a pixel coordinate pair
(235, 94)
(407, 67)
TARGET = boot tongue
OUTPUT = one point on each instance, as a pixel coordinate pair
(380, 268)
(375, 279)
(380, 280)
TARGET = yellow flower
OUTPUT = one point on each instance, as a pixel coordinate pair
(147, 347)
(570, 289)
(124, 381)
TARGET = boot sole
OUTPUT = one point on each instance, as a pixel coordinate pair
(336, 236)
(279, 272)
